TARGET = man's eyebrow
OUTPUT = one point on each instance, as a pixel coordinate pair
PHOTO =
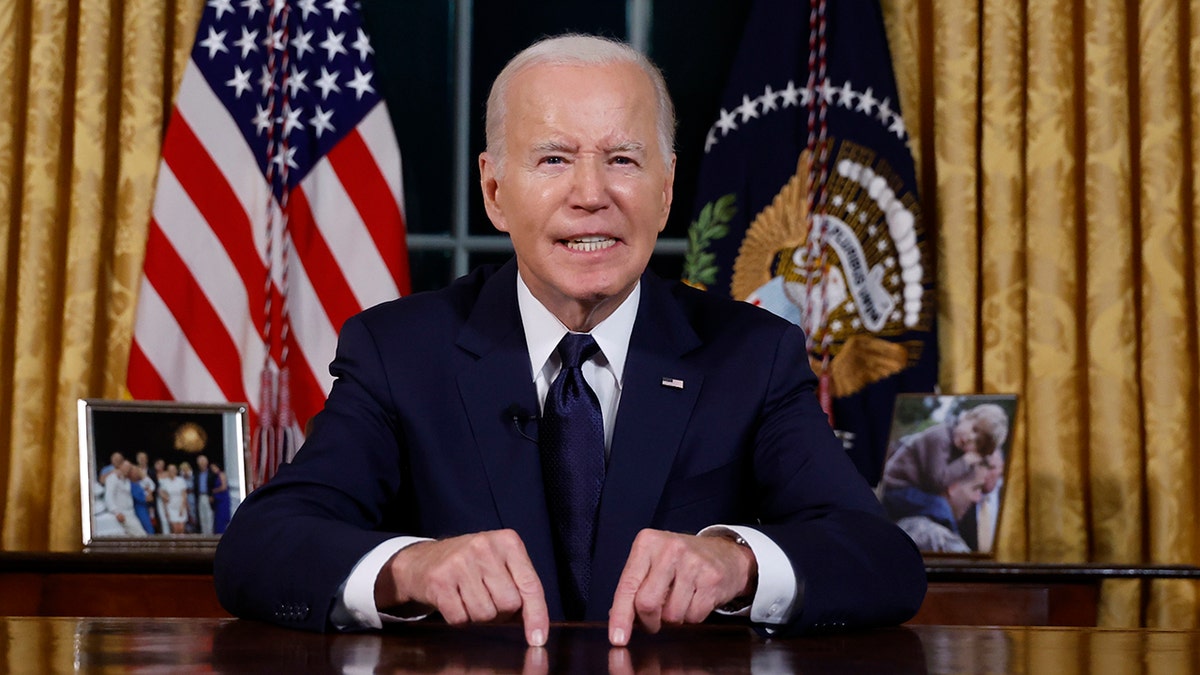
(627, 146)
(554, 146)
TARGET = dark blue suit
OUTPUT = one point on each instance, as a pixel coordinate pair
(418, 437)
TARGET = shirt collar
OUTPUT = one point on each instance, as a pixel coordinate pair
(543, 330)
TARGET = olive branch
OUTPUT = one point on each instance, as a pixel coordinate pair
(699, 264)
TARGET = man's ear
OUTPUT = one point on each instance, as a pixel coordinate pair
(489, 185)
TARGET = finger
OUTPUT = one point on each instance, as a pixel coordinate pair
(534, 614)
(675, 606)
(622, 613)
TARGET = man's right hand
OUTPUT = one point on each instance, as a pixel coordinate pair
(476, 578)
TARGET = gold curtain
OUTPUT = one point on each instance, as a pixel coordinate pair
(85, 87)
(1056, 148)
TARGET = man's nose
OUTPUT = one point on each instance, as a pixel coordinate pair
(591, 185)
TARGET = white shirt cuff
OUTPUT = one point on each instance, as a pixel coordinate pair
(776, 593)
(355, 604)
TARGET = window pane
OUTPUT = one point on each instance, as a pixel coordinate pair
(414, 45)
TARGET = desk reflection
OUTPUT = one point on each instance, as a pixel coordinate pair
(132, 645)
(573, 648)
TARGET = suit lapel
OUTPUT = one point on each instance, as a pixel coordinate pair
(651, 421)
(494, 389)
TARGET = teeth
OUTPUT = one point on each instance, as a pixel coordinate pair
(589, 244)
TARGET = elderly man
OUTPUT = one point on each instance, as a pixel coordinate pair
(567, 436)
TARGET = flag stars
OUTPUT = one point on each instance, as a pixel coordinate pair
(295, 81)
(262, 119)
(361, 83)
(866, 101)
(307, 7)
(266, 83)
(828, 92)
(897, 126)
(287, 157)
(300, 42)
(240, 81)
(274, 41)
(710, 139)
(215, 42)
(221, 6)
(748, 109)
(362, 45)
(332, 44)
(327, 83)
(846, 95)
(727, 122)
(247, 43)
(320, 121)
(791, 95)
(253, 7)
(291, 119)
(338, 7)
(885, 110)
(768, 99)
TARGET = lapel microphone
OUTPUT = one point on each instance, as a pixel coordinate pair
(521, 419)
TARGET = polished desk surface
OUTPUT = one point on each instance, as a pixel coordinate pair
(130, 645)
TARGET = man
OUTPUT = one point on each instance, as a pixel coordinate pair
(425, 485)
(978, 526)
(203, 490)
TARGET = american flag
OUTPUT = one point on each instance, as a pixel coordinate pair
(278, 214)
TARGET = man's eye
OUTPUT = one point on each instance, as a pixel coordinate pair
(552, 160)
(623, 161)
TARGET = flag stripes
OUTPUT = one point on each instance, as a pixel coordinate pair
(278, 214)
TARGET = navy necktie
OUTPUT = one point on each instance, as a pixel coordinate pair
(571, 443)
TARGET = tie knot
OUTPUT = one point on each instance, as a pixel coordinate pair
(575, 348)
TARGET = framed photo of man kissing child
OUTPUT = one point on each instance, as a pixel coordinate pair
(944, 476)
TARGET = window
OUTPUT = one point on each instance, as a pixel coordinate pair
(436, 62)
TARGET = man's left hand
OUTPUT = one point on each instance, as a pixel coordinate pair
(678, 578)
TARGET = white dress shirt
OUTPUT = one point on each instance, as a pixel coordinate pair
(777, 587)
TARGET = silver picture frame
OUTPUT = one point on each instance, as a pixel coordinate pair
(942, 484)
(164, 440)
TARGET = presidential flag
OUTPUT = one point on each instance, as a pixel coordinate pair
(807, 206)
(278, 214)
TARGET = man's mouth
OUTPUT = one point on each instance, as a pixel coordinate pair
(589, 244)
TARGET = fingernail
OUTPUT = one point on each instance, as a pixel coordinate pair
(538, 638)
(618, 637)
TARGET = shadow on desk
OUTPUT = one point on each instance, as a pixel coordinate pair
(573, 648)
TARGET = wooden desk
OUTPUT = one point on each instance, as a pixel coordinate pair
(986, 593)
(179, 584)
(123, 645)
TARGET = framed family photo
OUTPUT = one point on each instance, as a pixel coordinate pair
(159, 474)
(944, 476)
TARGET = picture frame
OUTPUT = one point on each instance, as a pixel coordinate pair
(946, 470)
(162, 442)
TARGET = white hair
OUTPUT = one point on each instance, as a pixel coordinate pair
(577, 49)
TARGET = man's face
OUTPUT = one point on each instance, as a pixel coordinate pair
(202, 462)
(584, 190)
(995, 471)
(966, 492)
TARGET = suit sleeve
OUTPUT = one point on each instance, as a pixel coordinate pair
(855, 567)
(294, 541)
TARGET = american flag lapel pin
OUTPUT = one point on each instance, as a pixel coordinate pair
(672, 382)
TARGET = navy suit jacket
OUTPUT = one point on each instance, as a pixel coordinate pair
(418, 437)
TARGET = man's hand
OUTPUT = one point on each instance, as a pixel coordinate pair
(678, 578)
(472, 578)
